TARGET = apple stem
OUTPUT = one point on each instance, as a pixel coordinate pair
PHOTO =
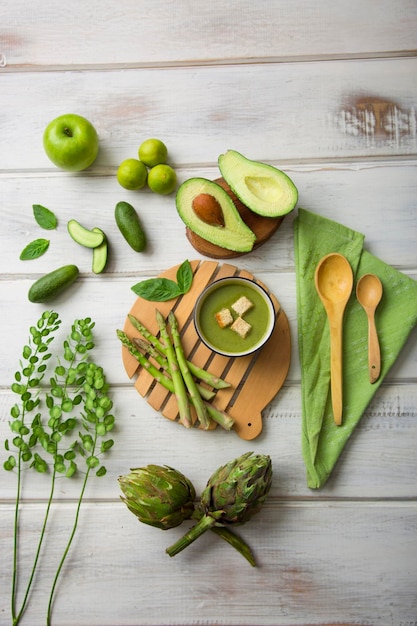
(68, 131)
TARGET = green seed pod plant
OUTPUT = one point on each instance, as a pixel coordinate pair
(158, 495)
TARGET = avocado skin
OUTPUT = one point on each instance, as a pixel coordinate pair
(50, 285)
(129, 225)
(264, 189)
(234, 235)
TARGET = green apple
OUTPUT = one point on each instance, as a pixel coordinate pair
(71, 142)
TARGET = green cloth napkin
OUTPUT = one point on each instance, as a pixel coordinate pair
(396, 315)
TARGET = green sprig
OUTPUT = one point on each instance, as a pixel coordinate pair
(77, 400)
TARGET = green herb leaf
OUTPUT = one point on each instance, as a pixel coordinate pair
(44, 217)
(34, 249)
(157, 289)
(163, 289)
(185, 276)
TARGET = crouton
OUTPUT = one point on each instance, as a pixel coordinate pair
(242, 305)
(224, 318)
(241, 327)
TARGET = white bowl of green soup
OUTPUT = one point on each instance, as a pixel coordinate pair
(234, 316)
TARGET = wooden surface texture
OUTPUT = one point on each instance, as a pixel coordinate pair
(327, 92)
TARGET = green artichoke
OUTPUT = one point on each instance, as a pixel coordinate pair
(158, 495)
(233, 495)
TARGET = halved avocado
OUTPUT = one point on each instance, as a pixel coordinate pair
(208, 211)
(264, 189)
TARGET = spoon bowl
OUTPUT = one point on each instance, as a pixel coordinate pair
(334, 283)
(369, 293)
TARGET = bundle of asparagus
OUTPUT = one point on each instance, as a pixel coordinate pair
(177, 374)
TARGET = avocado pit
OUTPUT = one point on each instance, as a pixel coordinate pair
(208, 209)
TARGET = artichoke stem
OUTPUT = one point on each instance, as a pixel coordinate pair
(205, 523)
(236, 542)
(232, 539)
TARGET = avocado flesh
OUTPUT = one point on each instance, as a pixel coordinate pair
(264, 189)
(234, 235)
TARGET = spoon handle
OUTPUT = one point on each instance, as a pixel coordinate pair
(374, 354)
(336, 359)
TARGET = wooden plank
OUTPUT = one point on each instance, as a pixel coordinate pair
(91, 297)
(340, 109)
(378, 462)
(349, 193)
(295, 544)
(101, 33)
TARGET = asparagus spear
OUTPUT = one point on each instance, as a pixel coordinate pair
(195, 396)
(162, 361)
(174, 369)
(198, 372)
(221, 418)
(141, 358)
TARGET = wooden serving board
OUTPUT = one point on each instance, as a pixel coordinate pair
(254, 380)
(263, 227)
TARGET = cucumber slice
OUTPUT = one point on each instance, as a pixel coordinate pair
(84, 236)
(100, 253)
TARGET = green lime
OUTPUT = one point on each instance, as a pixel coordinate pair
(132, 174)
(153, 152)
(162, 179)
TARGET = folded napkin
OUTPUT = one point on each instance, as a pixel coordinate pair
(396, 315)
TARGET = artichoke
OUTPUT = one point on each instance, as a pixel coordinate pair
(158, 495)
(233, 495)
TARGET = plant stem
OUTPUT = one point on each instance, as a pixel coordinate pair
(17, 618)
(16, 535)
(67, 548)
(232, 539)
(205, 523)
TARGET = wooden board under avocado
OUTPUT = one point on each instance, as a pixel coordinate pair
(255, 380)
(263, 227)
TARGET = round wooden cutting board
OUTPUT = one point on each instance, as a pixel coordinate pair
(263, 227)
(254, 380)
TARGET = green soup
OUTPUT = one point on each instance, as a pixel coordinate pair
(226, 339)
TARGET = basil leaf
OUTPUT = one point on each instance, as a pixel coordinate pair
(34, 249)
(157, 289)
(185, 277)
(44, 217)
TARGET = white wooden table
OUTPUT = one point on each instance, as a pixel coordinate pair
(327, 91)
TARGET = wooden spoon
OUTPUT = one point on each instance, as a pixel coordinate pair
(369, 294)
(334, 282)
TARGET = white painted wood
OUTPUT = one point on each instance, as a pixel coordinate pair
(121, 564)
(345, 192)
(334, 109)
(327, 92)
(136, 33)
(369, 468)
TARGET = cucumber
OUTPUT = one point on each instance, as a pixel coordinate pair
(50, 285)
(129, 225)
(100, 254)
(84, 236)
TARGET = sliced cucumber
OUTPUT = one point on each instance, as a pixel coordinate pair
(100, 253)
(84, 236)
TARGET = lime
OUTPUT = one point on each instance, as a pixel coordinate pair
(162, 179)
(153, 152)
(132, 174)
